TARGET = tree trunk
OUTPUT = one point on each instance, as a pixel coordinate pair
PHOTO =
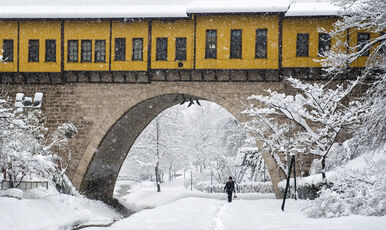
(157, 177)
(324, 168)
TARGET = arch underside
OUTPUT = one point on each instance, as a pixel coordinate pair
(102, 172)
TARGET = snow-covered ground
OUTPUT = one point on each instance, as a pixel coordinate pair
(177, 208)
(195, 213)
(41, 209)
(144, 195)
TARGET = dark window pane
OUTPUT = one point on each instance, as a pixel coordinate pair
(261, 43)
(363, 39)
(302, 45)
(72, 52)
(137, 49)
(120, 49)
(161, 49)
(50, 50)
(86, 50)
(8, 50)
(180, 49)
(33, 50)
(211, 44)
(236, 48)
(324, 43)
(100, 50)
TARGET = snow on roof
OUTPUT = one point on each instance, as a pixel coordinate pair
(239, 6)
(157, 8)
(312, 8)
(93, 8)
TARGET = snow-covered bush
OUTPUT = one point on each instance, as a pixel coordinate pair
(247, 187)
(360, 193)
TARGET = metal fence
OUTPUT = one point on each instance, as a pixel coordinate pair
(24, 185)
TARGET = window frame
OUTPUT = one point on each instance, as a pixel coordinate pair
(100, 50)
(261, 43)
(299, 45)
(181, 50)
(161, 50)
(210, 53)
(361, 42)
(33, 51)
(85, 53)
(71, 54)
(136, 49)
(8, 51)
(236, 44)
(120, 49)
(50, 51)
(324, 42)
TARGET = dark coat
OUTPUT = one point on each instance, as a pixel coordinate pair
(230, 186)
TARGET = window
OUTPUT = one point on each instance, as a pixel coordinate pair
(100, 50)
(180, 49)
(363, 39)
(72, 53)
(50, 50)
(261, 43)
(324, 43)
(211, 44)
(33, 50)
(161, 49)
(302, 45)
(86, 51)
(137, 49)
(120, 49)
(236, 48)
(8, 50)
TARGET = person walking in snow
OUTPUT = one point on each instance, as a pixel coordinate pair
(230, 188)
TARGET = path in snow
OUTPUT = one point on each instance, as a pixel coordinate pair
(212, 214)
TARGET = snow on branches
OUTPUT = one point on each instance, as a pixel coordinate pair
(25, 152)
(317, 109)
(357, 16)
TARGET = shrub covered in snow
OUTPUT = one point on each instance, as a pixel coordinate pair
(247, 187)
(359, 188)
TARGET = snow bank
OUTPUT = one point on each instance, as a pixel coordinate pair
(359, 188)
(46, 209)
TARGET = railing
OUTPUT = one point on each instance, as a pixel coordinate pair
(24, 185)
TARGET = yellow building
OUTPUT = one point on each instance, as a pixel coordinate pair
(139, 37)
(8, 43)
(245, 28)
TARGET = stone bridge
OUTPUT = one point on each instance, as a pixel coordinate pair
(110, 115)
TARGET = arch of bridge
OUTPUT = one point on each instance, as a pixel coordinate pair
(114, 135)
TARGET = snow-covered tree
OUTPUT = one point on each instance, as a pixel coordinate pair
(25, 152)
(363, 16)
(360, 191)
(318, 111)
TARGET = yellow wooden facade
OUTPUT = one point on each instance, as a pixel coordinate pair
(8, 30)
(86, 30)
(130, 30)
(353, 34)
(294, 26)
(40, 30)
(172, 29)
(248, 24)
(193, 29)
